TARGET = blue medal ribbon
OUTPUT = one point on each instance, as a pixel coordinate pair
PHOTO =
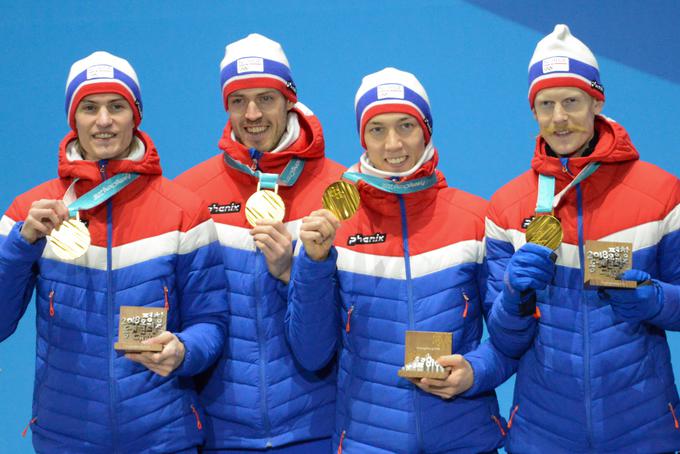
(288, 177)
(546, 200)
(102, 192)
(390, 186)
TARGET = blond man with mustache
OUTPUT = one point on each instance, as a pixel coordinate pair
(595, 372)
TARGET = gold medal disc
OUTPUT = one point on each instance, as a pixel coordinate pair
(71, 240)
(545, 230)
(265, 204)
(342, 199)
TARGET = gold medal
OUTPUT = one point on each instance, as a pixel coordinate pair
(265, 204)
(545, 230)
(71, 240)
(342, 199)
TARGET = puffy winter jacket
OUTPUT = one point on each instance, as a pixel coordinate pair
(153, 245)
(411, 262)
(258, 395)
(589, 381)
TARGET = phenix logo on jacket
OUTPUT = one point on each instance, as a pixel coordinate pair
(589, 381)
(270, 399)
(424, 274)
(153, 245)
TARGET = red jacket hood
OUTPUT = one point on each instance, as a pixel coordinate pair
(613, 146)
(89, 170)
(309, 145)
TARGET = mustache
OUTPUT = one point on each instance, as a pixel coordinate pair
(571, 128)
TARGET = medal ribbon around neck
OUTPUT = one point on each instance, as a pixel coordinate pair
(270, 181)
(265, 203)
(393, 187)
(546, 229)
(72, 239)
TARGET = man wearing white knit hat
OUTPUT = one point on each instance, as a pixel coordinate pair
(595, 372)
(272, 171)
(411, 258)
(118, 234)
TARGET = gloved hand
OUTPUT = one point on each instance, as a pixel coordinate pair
(531, 268)
(634, 304)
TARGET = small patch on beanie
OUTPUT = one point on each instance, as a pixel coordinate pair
(250, 65)
(553, 64)
(100, 72)
(390, 91)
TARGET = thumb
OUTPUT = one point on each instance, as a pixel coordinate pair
(163, 338)
(454, 361)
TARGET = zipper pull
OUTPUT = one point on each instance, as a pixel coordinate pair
(467, 303)
(33, 420)
(342, 438)
(199, 425)
(255, 156)
(165, 295)
(51, 303)
(349, 316)
(102, 168)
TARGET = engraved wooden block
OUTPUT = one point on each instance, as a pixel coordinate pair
(422, 348)
(604, 261)
(138, 324)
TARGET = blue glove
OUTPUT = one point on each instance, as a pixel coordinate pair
(635, 304)
(531, 268)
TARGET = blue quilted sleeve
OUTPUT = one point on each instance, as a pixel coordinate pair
(490, 366)
(18, 259)
(668, 263)
(510, 334)
(203, 301)
(312, 319)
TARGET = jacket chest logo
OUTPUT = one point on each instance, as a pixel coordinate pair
(527, 221)
(216, 208)
(358, 238)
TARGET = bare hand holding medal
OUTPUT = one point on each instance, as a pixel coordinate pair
(340, 201)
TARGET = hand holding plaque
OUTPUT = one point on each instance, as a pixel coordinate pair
(137, 324)
(422, 348)
(605, 262)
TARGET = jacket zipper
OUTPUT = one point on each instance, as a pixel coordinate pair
(199, 425)
(586, 321)
(467, 303)
(167, 301)
(109, 312)
(262, 353)
(411, 316)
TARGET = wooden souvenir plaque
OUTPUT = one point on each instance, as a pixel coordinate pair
(421, 353)
(605, 260)
(138, 324)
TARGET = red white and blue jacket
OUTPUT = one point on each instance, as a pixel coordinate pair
(588, 381)
(258, 395)
(153, 245)
(402, 262)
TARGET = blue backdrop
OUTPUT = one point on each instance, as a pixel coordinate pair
(471, 57)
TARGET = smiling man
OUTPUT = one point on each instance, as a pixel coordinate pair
(258, 397)
(152, 245)
(411, 258)
(595, 372)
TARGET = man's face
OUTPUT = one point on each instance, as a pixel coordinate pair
(394, 142)
(105, 125)
(566, 118)
(258, 117)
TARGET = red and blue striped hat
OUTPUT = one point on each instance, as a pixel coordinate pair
(391, 90)
(256, 62)
(102, 72)
(562, 60)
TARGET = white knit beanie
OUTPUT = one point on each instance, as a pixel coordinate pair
(102, 72)
(391, 90)
(562, 60)
(256, 62)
